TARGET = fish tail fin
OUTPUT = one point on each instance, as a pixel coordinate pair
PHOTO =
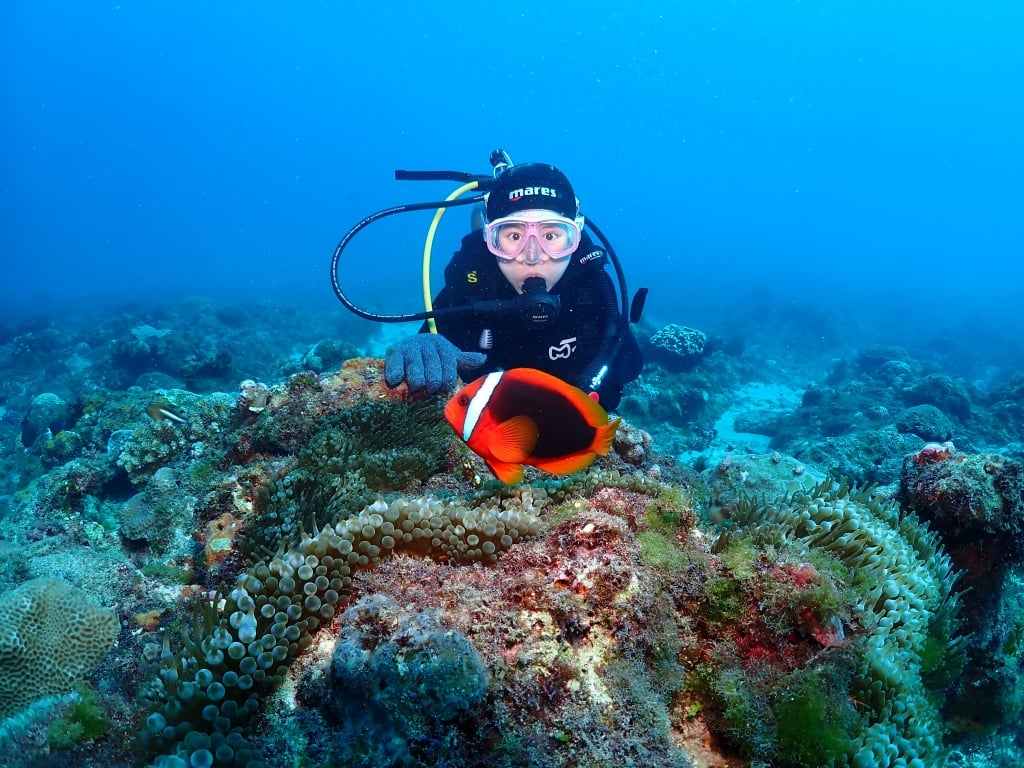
(605, 437)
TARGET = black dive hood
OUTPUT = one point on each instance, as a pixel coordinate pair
(535, 306)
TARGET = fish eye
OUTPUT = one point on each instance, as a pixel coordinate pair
(463, 400)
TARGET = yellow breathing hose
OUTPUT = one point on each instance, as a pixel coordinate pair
(428, 302)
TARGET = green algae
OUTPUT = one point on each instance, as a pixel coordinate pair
(84, 721)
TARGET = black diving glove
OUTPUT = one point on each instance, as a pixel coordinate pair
(428, 361)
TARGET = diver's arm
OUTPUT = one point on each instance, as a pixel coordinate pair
(460, 328)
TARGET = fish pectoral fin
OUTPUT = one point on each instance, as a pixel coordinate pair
(509, 474)
(513, 440)
(566, 465)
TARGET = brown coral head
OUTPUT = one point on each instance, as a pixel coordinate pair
(933, 453)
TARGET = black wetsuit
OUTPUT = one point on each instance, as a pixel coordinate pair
(573, 346)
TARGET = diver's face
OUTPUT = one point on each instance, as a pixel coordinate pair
(517, 271)
(533, 243)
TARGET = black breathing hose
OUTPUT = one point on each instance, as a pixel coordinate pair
(623, 290)
(594, 372)
(336, 285)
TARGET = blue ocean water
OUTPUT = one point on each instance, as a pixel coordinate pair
(830, 190)
(857, 159)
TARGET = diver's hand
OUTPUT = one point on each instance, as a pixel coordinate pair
(428, 361)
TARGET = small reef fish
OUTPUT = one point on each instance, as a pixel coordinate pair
(525, 416)
(161, 409)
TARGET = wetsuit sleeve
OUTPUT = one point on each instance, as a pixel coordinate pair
(459, 329)
(454, 327)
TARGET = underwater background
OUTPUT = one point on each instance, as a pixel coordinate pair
(860, 159)
(807, 547)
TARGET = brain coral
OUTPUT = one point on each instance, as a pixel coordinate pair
(51, 635)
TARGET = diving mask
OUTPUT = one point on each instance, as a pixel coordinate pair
(537, 234)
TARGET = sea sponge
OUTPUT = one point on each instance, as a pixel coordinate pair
(51, 635)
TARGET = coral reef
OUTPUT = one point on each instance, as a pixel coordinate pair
(976, 503)
(51, 636)
(180, 421)
(395, 682)
(925, 421)
(241, 648)
(159, 511)
(905, 589)
(315, 571)
(866, 414)
(632, 444)
(677, 347)
(46, 416)
(354, 455)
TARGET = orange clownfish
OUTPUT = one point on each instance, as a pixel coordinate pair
(525, 416)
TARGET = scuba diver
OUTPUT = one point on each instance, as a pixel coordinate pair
(531, 242)
(526, 289)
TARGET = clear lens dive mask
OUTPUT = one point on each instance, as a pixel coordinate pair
(533, 237)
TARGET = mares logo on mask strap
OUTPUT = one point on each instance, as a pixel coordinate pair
(592, 256)
(522, 192)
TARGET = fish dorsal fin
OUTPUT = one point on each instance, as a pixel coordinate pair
(514, 440)
(593, 413)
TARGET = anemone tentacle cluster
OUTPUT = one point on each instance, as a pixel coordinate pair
(207, 691)
(905, 581)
